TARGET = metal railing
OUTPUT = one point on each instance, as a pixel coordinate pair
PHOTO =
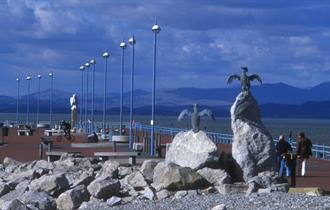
(320, 151)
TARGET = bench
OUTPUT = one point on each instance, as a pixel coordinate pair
(131, 155)
(56, 155)
(24, 132)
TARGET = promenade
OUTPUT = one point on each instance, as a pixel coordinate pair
(26, 148)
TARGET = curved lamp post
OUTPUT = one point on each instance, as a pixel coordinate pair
(87, 65)
(93, 62)
(51, 99)
(123, 47)
(82, 68)
(105, 55)
(17, 103)
(155, 29)
(38, 102)
(28, 78)
(132, 42)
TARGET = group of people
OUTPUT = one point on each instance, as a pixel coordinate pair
(285, 154)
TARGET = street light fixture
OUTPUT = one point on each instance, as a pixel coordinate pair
(87, 65)
(155, 29)
(105, 55)
(38, 103)
(28, 78)
(17, 103)
(93, 62)
(123, 47)
(132, 42)
(51, 99)
(82, 68)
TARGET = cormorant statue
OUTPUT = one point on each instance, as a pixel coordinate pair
(195, 116)
(244, 78)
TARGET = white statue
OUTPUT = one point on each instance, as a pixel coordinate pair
(73, 102)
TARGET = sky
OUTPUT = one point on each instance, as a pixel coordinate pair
(201, 42)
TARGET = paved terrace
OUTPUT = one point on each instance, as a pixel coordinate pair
(26, 148)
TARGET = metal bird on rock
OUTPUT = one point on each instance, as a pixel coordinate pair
(195, 116)
(245, 79)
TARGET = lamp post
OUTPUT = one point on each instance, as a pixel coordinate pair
(51, 99)
(105, 56)
(38, 102)
(17, 103)
(155, 29)
(82, 67)
(123, 47)
(132, 42)
(87, 65)
(28, 78)
(93, 62)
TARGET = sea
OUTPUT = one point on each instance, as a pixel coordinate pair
(317, 130)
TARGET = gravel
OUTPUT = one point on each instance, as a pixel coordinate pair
(235, 201)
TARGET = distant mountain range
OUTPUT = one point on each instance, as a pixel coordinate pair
(276, 100)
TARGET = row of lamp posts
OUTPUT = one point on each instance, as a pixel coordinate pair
(29, 78)
(106, 55)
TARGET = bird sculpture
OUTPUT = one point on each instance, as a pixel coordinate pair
(195, 116)
(245, 79)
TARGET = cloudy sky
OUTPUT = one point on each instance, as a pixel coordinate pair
(200, 44)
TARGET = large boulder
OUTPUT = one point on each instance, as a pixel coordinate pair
(94, 205)
(14, 204)
(51, 184)
(39, 200)
(4, 188)
(104, 187)
(174, 177)
(215, 176)
(253, 146)
(194, 150)
(72, 199)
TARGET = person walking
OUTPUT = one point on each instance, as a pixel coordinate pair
(283, 150)
(304, 151)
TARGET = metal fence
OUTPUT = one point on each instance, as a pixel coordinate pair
(320, 151)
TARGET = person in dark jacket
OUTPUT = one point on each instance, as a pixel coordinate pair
(304, 151)
(283, 149)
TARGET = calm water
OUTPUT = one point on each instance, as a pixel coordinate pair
(317, 130)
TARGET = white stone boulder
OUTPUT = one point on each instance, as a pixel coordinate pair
(253, 146)
(194, 150)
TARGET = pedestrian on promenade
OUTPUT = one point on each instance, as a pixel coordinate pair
(304, 151)
(283, 151)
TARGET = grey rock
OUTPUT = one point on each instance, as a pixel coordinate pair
(124, 171)
(113, 201)
(104, 187)
(253, 187)
(147, 169)
(94, 205)
(4, 188)
(52, 184)
(215, 176)
(43, 164)
(233, 188)
(173, 177)
(14, 205)
(16, 178)
(163, 194)
(73, 198)
(149, 193)
(180, 194)
(219, 207)
(208, 191)
(109, 168)
(39, 200)
(137, 180)
(12, 195)
(253, 147)
(10, 164)
(194, 150)
(84, 179)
